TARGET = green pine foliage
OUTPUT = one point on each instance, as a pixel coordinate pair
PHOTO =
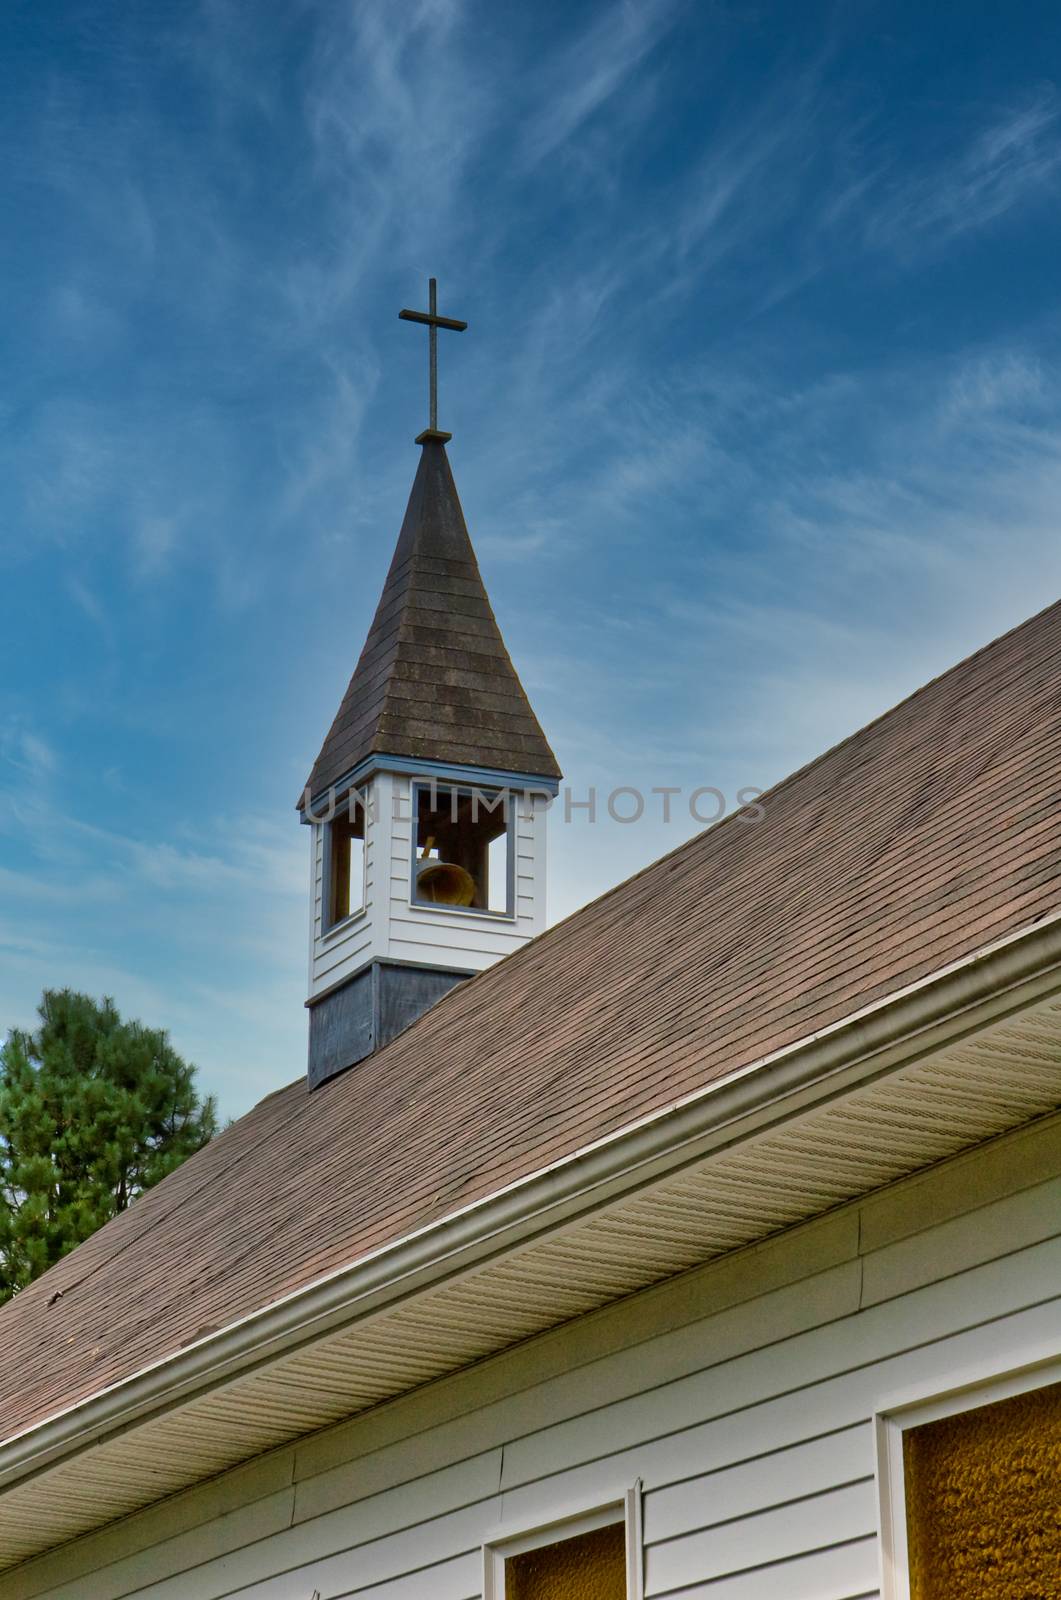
(93, 1110)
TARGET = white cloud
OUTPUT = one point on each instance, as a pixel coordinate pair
(224, 926)
(38, 757)
(154, 538)
(32, 758)
(590, 71)
(395, 107)
(1014, 159)
(88, 602)
(716, 565)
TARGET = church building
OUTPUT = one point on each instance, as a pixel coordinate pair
(705, 1244)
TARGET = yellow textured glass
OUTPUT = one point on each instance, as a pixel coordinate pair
(983, 1501)
(590, 1566)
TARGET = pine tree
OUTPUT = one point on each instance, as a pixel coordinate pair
(93, 1110)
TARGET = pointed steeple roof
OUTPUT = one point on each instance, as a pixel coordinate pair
(434, 681)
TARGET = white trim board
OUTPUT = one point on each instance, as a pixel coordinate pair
(1016, 1373)
(568, 1524)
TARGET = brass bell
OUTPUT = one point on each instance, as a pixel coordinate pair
(444, 883)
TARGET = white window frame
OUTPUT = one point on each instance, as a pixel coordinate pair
(892, 1421)
(624, 1507)
(433, 907)
(328, 928)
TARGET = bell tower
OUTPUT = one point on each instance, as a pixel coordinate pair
(426, 806)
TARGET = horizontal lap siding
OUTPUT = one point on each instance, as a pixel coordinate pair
(530, 865)
(750, 1425)
(843, 1572)
(767, 1540)
(750, 1487)
(335, 956)
(342, 955)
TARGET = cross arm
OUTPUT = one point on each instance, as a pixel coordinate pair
(433, 321)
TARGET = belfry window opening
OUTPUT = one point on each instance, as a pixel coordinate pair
(344, 863)
(462, 855)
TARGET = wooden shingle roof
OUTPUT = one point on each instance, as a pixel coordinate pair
(434, 681)
(922, 839)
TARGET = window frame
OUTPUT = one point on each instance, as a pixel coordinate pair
(1033, 1370)
(330, 926)
(436, 785)
(622, 1507)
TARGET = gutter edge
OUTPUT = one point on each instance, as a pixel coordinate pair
(1008, 975)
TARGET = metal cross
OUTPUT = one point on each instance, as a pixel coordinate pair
(434, 322)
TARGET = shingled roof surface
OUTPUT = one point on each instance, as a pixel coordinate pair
(434, 681)
(928, 835)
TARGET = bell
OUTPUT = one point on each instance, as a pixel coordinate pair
(444, 883)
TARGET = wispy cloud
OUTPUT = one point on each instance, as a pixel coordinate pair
(27, 753)
(793, 186)
(586, 72)
(88, 602)
(394, 107)
(848, 581)
(750, 179)
(224, 920)
(728, 502)
(1016, 158)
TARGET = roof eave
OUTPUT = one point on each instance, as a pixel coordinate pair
(983, 988)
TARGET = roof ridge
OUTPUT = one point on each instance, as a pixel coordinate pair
(906, 700)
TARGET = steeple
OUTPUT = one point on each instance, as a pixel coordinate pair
(434, 681)
(427, 803)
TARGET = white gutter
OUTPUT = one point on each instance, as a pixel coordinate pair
(1008, 976)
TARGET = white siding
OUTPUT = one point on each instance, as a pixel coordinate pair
(742, 1395)
(337, 954)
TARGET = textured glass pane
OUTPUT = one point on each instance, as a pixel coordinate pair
(983, 1501)
(591, 1566)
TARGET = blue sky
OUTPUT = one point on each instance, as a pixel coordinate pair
(757, 424)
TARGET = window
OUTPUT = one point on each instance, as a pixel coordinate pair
(588, 1566)
(344, 864)
(971, 1485)
(595, 1556)
(462, 856)
(983, 1501)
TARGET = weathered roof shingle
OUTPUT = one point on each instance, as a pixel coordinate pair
(434, 681)
(918, 841)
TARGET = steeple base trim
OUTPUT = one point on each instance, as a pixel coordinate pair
(368, 1011)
